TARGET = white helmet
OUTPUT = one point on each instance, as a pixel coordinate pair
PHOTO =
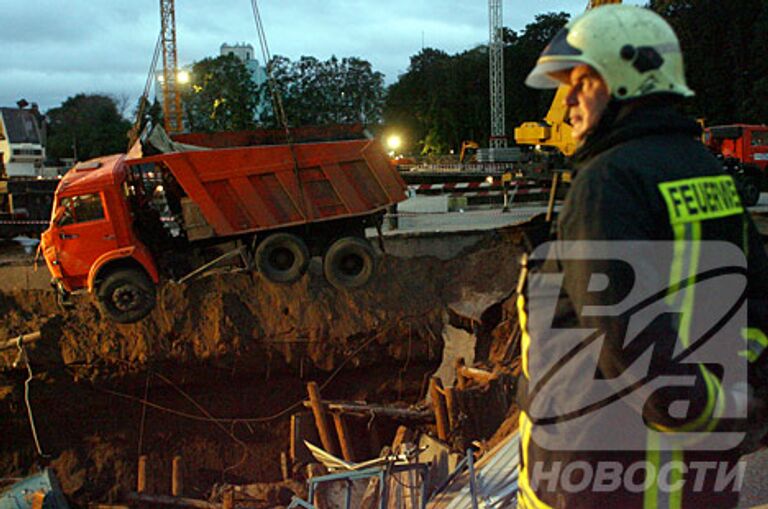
(633, 49)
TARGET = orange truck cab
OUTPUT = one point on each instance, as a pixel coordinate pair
(122, 223)
(91, 240)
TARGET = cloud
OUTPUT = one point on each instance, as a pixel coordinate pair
(66, 48)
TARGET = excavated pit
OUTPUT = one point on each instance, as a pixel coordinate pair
(221, 356)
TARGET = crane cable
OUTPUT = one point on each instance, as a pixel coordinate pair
(277, 102)
(133, 134)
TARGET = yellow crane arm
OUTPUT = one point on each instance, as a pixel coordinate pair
(554, 131)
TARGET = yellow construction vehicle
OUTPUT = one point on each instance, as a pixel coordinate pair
(468, 148)
(554, 130)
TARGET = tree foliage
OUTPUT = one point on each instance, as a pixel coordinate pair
(724, 46)
(221, 96)
(444, 99)
(86, 126)
(316, 92)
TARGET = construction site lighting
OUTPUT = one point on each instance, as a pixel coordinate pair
(394, 141)
(183, 77)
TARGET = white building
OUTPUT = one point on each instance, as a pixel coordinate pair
(21, 142)
(244, 52)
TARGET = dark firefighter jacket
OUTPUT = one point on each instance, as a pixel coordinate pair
(644, 177)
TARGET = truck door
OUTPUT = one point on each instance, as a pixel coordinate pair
(83, 233)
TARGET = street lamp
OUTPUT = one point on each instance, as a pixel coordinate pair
(394, 142)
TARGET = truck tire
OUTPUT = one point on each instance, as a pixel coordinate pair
(282, 258)
(126, 295)
(750, 192)
(349, 263)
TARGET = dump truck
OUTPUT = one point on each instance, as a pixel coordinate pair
(122, 225)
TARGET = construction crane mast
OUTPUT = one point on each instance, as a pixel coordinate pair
(496, 76)
(170, 86)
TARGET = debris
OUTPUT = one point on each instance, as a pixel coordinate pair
(492, 480)
(36, 491)
(172, 501)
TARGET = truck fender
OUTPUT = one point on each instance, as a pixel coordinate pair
(139, 255)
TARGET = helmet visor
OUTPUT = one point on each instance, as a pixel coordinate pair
(541, 75)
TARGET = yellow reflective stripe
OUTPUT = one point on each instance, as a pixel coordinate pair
(757, 341)
(701, 198)
(676, 496)
(525, 341)
(749, 354)
(676, 270)
(755, 334)
(690, 290)
(652, 456)
(526, 493)
(709, 417)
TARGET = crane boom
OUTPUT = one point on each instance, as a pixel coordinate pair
(170, 87)
(554, 131)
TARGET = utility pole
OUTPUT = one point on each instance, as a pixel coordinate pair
(496, 69)
(171, 96)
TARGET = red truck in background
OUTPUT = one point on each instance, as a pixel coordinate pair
(121, 224)
(744, 150)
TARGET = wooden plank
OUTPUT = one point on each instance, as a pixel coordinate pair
(478, 375)
(177, 476)
(450, 403)
(141, 478)
(342, 431)
(405, 414)
(321, 419)
(30, 337)
(441, 412)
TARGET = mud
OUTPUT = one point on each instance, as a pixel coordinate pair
(223, 361)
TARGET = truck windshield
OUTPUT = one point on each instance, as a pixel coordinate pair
(760, 138)
(79, 209)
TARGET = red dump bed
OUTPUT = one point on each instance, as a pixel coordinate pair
(247, 189)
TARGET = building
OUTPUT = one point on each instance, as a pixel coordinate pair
(21, 142)
(244, 52)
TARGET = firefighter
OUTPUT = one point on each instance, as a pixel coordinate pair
(641, 177)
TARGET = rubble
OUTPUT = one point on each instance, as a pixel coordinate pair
(216, 371)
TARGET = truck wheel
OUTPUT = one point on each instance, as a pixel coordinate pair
(750, 192)
(282, 258)
(349, 263)
(126, 295)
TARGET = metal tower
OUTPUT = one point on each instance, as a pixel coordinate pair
(496, 77)
(170, 88)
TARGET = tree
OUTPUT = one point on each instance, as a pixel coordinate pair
(315, 92)
(724, 46)
(221, 96)
(444, 99)
(86, 126)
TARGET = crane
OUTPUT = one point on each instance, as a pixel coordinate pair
(554, 131)
(496, 74)
(170, 86)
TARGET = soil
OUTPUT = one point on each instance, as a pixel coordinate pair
(223, 362)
